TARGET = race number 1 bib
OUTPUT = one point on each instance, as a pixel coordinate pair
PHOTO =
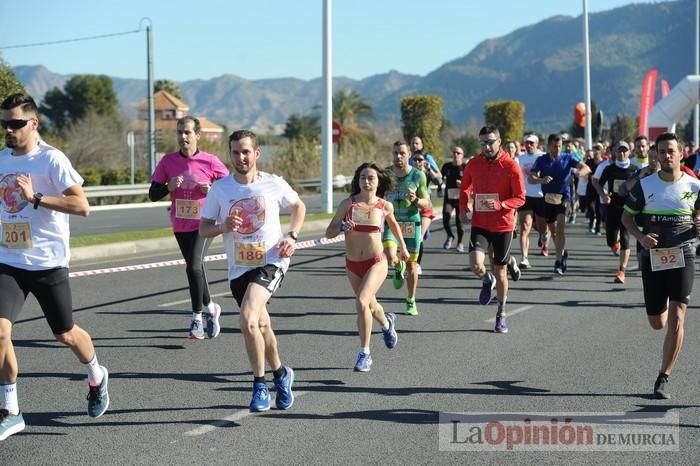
(187, 208)
(667, 258)
(408, 230)
(553, 198)
(250, 254)
(452, 193)
(365, 215)
(17, 235)
(481, 202)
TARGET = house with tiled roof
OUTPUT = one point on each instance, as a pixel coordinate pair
(169, 109)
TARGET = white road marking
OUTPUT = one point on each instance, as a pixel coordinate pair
(511, 313)
(228, 420)
(183, 301)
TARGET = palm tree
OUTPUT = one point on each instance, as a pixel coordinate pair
(352, 112)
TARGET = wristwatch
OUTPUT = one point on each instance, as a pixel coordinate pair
(293, 234)
(37, 200)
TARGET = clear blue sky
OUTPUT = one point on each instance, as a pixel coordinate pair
(264, 38)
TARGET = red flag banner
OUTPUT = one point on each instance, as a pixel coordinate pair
(646, 101)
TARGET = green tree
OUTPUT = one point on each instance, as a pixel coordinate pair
(303, 126)
(508, 116)
(353, 113)
(623, 128)
(421, 116)
(469, 143)
(9, 84)
(81, 95)
(168, 86)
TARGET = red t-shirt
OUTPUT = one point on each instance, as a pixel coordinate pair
(500, 180)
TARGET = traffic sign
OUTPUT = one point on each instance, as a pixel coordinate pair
(337, 131)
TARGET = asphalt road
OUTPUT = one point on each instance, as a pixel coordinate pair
(578, 344)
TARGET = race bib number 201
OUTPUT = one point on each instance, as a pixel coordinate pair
(17, 235)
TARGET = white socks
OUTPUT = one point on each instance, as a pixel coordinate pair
(8, 397)
(364, 349)
(197, 316)
(95, 372)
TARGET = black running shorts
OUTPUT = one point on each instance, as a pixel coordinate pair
(268, 276)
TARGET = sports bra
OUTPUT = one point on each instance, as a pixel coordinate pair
(367, 218)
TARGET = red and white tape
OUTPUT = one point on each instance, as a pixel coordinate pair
(215, 257)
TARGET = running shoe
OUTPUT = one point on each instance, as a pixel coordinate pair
(419, 270)
(565, 260)
(460, 247)
(283, 387)
(488, 287)
(524, 263)
(390, 336)
(364, 362)
(196, 330)
(542, 240)
(558, 269)
(399, 270)
(660, 387)
(620, 276)
(411, 308)
(572, 219)
(513, 269)
(591, 230)
(501, 325)
(213, 327)
(447, 244)
(544, 251)
(10, 424)
(98, 397)
(615, 248)
(261, 398)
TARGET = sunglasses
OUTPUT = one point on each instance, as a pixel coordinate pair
(14, 124)
(489, 142)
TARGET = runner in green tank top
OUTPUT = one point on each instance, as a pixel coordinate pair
(408, 197)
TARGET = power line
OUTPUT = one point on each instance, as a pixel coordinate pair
(37, 44)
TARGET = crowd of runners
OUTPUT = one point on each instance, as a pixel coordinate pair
(624, 190)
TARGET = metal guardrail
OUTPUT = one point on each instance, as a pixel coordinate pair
(339, 181)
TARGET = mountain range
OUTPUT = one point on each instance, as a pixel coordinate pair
(539, 64)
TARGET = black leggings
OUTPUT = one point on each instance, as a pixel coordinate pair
(447, 208)
(194, 248)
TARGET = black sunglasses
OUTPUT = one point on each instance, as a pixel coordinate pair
(14, 124)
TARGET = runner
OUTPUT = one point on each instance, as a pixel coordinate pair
(409, 195)
(362, 217)
(426, 215)
(495, 181)
(533, 209)
(245, 208)
(39, 189)
(553, 171)
(452, 178)
(187, 176)
(613, 178)
(667, 206)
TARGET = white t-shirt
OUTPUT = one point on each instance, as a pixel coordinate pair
(255, 243)
(526, 161)
(599, 172)
(35, 239)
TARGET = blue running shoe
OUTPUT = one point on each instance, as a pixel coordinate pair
(196, 330)
(10, 424)
(261, 398)
(501, 325)
(390, 335)
(98, 397)
(283, 387)
(364, 362)
(487, 289)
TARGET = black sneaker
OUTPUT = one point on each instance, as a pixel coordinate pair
(558, 268)
(564, 258)
(513, 269)
(660, 387)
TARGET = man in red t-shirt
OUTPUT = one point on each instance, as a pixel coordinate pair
(498, 189)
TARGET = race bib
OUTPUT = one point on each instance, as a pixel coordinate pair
(408, 229)
(452, 193)
(250, 254)
(480, 202)
(187, 208)
(667, 258)
(365, 215)
(553, 198)
(17, 235)
(616, 185)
